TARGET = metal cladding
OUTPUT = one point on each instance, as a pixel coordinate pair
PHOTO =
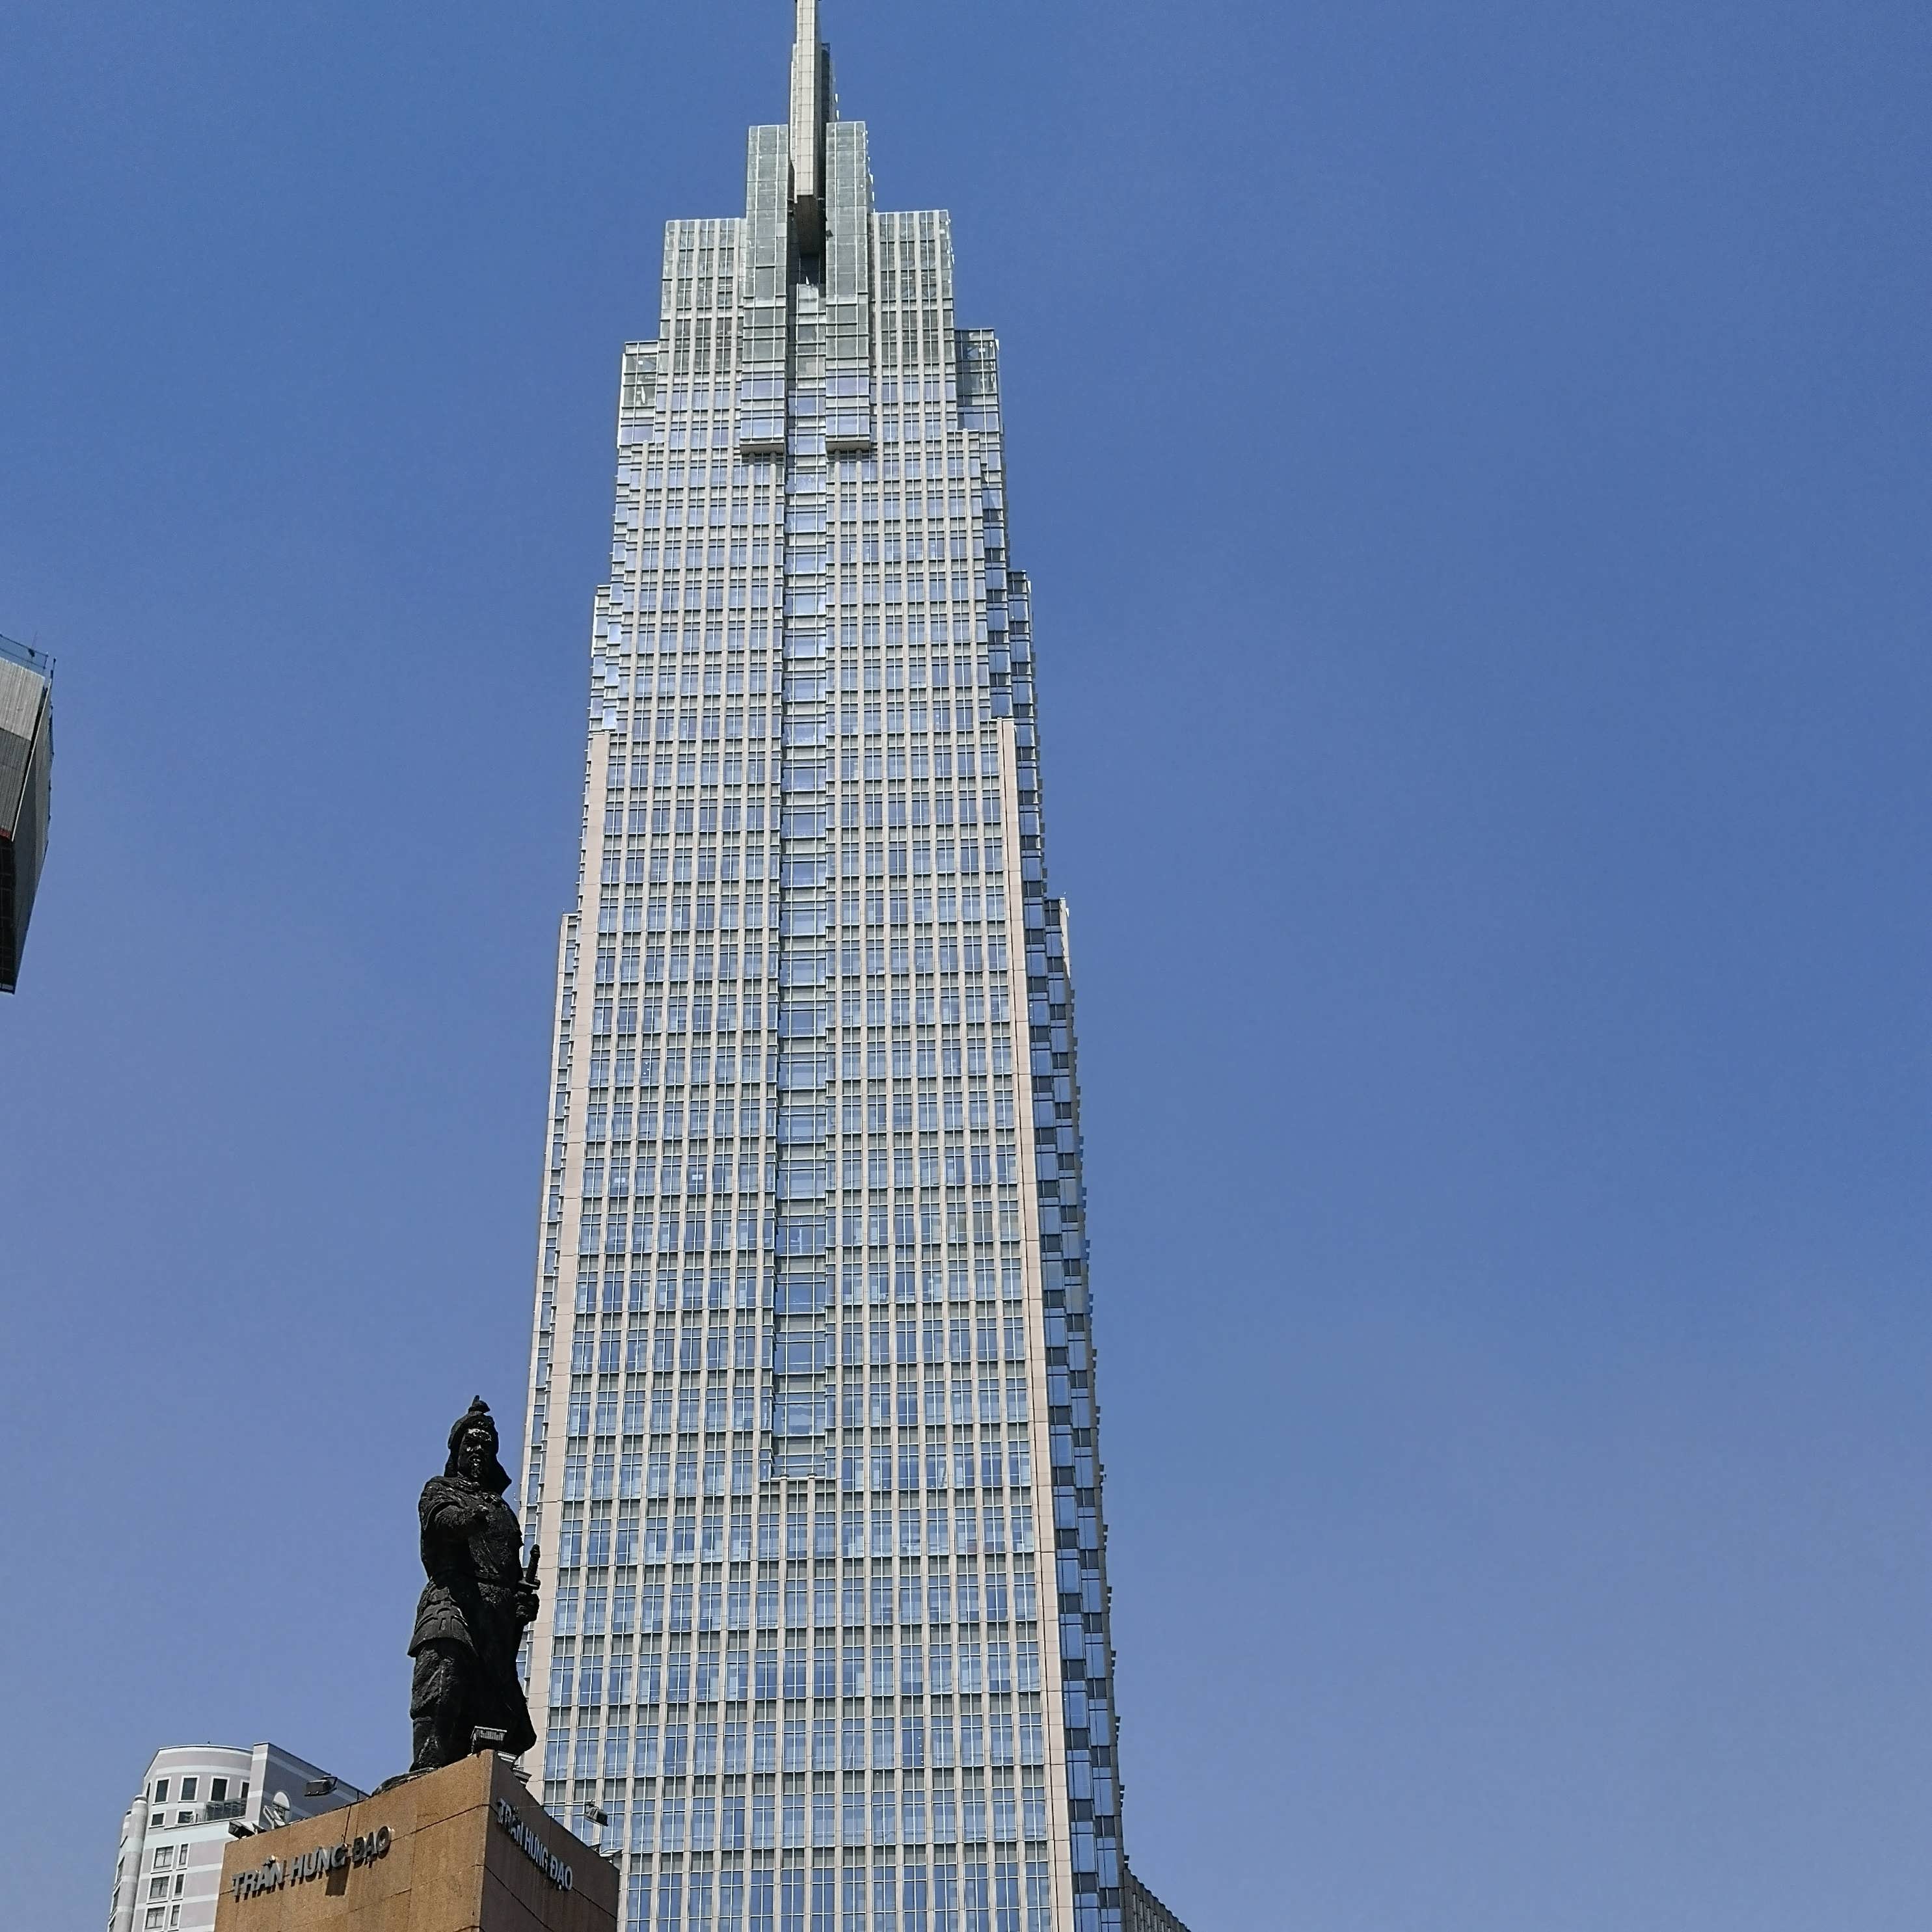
(26, 767)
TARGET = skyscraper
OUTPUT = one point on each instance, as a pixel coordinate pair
(26, 770)
(812, 1432)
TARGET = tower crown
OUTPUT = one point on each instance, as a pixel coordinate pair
(811, 109)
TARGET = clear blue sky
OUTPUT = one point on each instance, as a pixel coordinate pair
(1474, 462)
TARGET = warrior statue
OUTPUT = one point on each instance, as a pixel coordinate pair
(473, 1608)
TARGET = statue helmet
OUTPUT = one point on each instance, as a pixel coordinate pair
(477, 1416)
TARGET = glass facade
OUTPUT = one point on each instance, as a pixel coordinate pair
(811, 1454)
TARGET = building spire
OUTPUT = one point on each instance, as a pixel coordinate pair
(811, 109)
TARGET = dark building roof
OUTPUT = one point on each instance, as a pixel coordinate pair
(1145, 1913)
(26, 767)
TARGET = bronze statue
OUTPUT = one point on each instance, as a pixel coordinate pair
(474, 1607)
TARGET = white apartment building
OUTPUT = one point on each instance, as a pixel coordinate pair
(195, 1798)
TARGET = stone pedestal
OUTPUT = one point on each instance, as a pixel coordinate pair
(466, 1849)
